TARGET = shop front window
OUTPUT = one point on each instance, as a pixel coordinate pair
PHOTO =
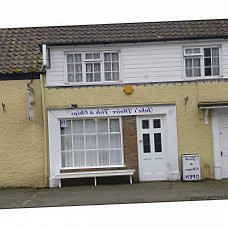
(91, 143)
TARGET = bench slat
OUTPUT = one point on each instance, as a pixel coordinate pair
(95, 174)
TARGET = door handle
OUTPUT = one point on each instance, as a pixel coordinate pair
(221, 153)
(140, 140)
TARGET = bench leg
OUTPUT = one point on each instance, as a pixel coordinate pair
(60, 183)
(130, 179)
(95, 181)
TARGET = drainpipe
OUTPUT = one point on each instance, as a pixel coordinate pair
(46, 175)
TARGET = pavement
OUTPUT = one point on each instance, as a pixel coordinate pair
(146, 192)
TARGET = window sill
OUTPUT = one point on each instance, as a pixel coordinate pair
(92, 83)
(202, 78)
(93, 167)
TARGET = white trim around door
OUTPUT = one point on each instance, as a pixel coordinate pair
(220, 144)
(157, 145)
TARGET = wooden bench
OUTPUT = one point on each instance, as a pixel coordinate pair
(95, 174)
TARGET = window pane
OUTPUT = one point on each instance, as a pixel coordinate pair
(188, 72)
(188, 63)
(207, 52)
(188, 51)
(70, 78)
(103, 157)
(77, 126)
(107, 66)
(77, 58)
(145, 124)
(91, 158)
(67, 160)
(196, 62)
(115, 157)
(115, 56)
(115, 76)
(115, 66)
(78, 142)
(215, 52)
(208, 71)
(78, 77)
(96, 55)
(97, 67)
(89, 67)
(70, 59)
(157, 142)
(197, 72)
(97, 77)
(90, 126)
(90, 141)
(157, 123)
(114, 125)
(89, 77)
(216, 71)
(215, 61)
(88, 56)
(63, 160)
(103, 141)
(196, 50)
(70, 68)
(108, 76)
(66, 142)
(79, 158)
(78, 68)
(102, 125)
(115, 141)
(207, 61)
(107, 57)
(146, 143)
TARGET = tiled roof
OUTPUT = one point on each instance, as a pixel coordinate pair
(20, 51)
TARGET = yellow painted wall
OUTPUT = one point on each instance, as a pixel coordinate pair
(194, 137)
(21, 141)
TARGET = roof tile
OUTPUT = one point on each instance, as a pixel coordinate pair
(20, 51)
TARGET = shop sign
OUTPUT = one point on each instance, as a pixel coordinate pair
(191, 167)
(30, 103)
(126, 111)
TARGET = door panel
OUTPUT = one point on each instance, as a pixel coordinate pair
(152, 148)
(224, 144)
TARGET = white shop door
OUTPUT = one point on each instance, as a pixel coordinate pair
(152, 148)
(224, 144)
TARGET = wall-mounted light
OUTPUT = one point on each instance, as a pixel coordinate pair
(73, 106)
(3, 106)
(186, 100)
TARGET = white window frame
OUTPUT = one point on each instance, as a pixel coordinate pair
(103, 166)
(84, 61)
(201, 56)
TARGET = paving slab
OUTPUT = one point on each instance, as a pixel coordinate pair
(113, 194)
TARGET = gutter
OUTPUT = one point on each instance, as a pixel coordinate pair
(46, 156)
(133, 41)
(19, 76)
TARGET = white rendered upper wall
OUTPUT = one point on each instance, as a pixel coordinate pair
(140, 62)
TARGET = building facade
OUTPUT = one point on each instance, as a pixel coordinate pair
(114, 97)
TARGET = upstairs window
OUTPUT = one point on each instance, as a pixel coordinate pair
(91, 67)
(202, 61)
